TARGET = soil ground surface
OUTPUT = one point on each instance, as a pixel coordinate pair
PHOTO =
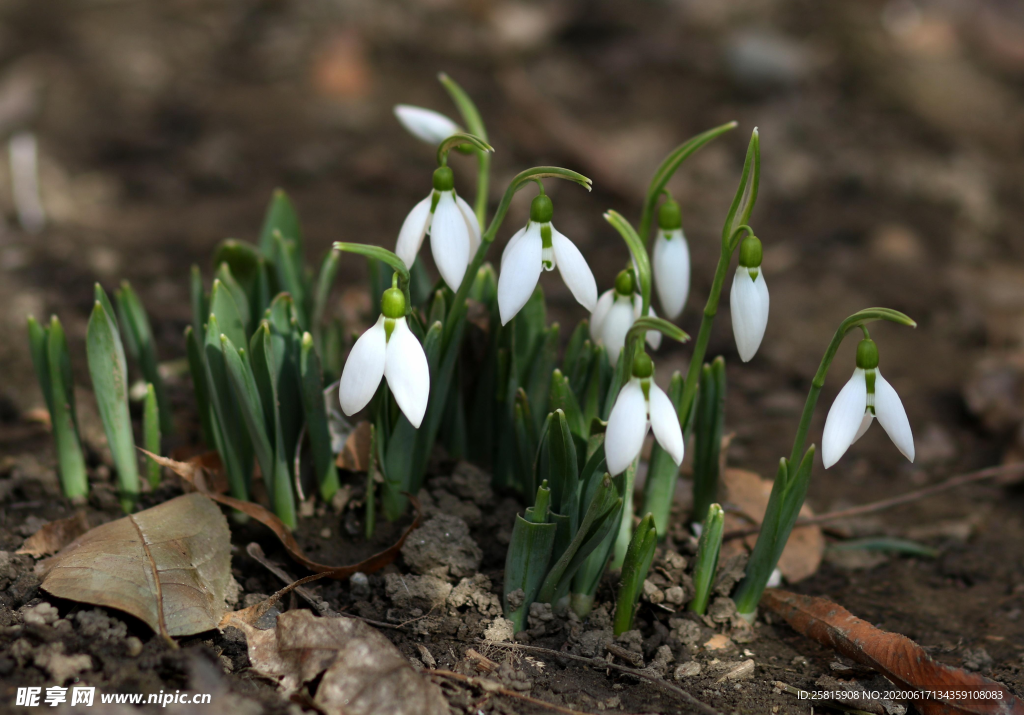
(892, 164)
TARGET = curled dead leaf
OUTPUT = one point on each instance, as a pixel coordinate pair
(54, 536)
(168, 566)
(749, 493)
(355, 457)
(193, 474)
(363, 673)
(945, 690)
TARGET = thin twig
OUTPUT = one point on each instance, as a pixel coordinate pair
(492, 686)
(599, 663)
(951, 483)
(256, 552)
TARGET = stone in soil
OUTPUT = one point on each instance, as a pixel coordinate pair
(442, 547)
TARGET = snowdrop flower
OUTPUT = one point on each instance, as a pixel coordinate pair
(616, 311)
(425, 124)
(641, 405)
(749, 300)
(865, 396)
(671, 265)
(387, 350)
(452, 225)
(539, 247)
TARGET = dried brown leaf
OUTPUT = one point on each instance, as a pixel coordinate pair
(54, 536)
(193, 474)
(364, 673)
(945, 690)
(355, 457)
(749, 493)
(168, 566)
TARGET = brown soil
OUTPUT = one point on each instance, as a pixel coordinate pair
(891, 167)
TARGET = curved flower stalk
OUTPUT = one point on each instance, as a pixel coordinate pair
(641, 406)
(671, 264)
(425, 124)
(616, 311)
(452, 225)
(539, 247)
(748, 300)
(865, 396)
(387, 350)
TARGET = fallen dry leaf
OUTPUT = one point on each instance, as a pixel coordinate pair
(364, 674)
(168, 566)
(54, 536)
(749, 493)
(193, 474)
(897, 657)
(355, 457)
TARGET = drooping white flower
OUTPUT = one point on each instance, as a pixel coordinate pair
(387, 350)
(452, 225)
(425, 124)
(616, 311)
(671, 264)
(539, 247)
(865, 396)
(641, 405)
(748, 300)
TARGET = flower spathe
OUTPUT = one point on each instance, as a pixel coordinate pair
(865, 396)
(452, 225)
(539, 247)
(748, 300)
(641, 406)
(387, 350)
(614, 315)
(425, 124)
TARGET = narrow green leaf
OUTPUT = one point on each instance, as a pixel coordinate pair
(101, 295)
(200, 385)
(316, 420)
(238, 293)
(634, 570)
(470, 114)
(233, 440)
(709, 425)
(526, 563)
(246, 265)
(538, 380)
(708, 549)
(250, 407)
(324, 283)
(281, 217)
(135, 323)
(662, 472)
(110, 383)
(229, 318)
(639, 253)
(151, 434)
(562, 398)
(290, 275)
(71, 461)
(200, 304)
(38, 338)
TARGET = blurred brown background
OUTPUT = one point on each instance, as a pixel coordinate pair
(892, 172)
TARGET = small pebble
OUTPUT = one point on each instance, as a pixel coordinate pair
(325, 533)
(687, 670)
(133, 646)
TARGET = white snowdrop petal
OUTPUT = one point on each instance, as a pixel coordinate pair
(748, 303)
(844, 419)
(574, 269)
(627, 427)
(893, 418)
(471, 223)
(665, 424)
(653, 337)
(616, 325)
(600, 314)
(414, 228)
(864, 424)
(405, 367)
(671, 269)
(363, 369)
(449, 241)
(519, 274)
(511, 243)
(425, 124)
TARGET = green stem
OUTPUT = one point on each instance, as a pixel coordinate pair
(700, 347)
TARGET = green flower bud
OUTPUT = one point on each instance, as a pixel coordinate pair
(541, 210)
(625, 283)
(669, 216)
(393, 303)
(444, 179)
(867, 354)
(750, 252)
(643, 366)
